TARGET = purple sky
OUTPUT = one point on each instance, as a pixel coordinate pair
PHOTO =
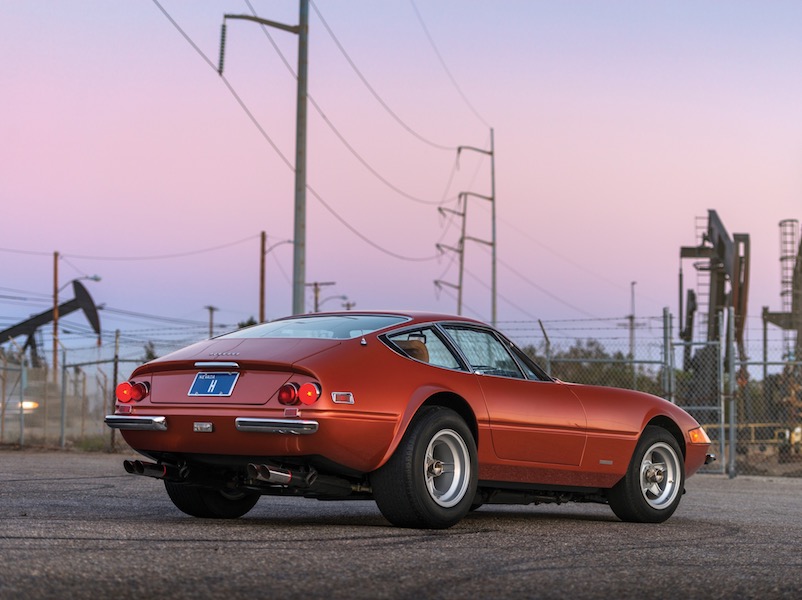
(616, 125)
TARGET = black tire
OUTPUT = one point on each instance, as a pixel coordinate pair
(210, 504)
(430, 480)
(655, 480)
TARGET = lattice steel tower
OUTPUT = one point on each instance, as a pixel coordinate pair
(789, 245)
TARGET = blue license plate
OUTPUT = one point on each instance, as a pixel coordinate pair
(213, 384)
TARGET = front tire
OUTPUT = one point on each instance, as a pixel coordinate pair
(210, 504)
(653, 485)
(430, 480)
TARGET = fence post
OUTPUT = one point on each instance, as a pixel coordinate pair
(668, 352)
(22, 380)
(115, 374)
(3, 400)
(63, 442)
(733, 422)
(548, 347)
(720, 375)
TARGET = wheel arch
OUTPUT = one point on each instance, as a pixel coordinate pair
(426, 397)
(459, 406)
(669, 425)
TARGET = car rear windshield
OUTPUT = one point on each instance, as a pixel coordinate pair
(333, 327)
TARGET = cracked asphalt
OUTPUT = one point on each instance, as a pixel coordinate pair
(75, 525)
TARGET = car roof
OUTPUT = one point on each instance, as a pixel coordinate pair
(415, 316)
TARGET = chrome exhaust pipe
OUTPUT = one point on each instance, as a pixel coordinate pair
(308, 480)
(279, 475)
(159, 471)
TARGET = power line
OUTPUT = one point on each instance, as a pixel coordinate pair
(278, 151)
(43, 296)
(372, 90)
(445, 67)
(507, 300)
(163, 256)
(545, 291)
(542, 289)
(334, 129)
(231, 89)
(365, 239)
(364, 162)
(29, 252)
(188, 322)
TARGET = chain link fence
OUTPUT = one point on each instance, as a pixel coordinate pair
(37, 409)
(752, 408)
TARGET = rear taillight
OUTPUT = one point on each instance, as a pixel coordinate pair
(309, 393)
(291, 393)
(132, 391)
(288, 394)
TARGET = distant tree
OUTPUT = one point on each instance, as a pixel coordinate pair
(150, 352)
(248, 323)
(587, 361)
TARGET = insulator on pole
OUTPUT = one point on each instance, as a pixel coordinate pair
(222, 48)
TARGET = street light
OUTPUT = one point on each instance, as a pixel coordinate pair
(262, 254)
(322, 302)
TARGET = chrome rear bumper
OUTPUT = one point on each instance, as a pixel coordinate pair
(286, 426)
(136, 423)
(281, 426)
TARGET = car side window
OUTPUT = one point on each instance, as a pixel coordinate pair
(426, 346)
(485, 353)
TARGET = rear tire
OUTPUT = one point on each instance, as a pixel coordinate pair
(653, 485)
(210, 504)
(430, 480)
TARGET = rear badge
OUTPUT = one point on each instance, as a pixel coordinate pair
(203, 427)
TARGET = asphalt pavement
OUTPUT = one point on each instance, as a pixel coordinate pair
(75, 525)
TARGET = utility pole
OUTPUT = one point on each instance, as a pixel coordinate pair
(299, 235)
(492, 200)
(211, 310)
(316, 285)
(299, 254)
(55, 318)
(263, 252)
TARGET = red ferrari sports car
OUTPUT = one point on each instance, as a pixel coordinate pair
(429, 415)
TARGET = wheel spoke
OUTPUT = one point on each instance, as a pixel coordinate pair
(446, 469)
(653, 489)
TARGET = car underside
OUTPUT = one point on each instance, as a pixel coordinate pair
(316, 477)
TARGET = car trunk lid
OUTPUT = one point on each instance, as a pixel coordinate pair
(229, 371)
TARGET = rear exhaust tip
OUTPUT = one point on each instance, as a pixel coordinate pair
(128, 465)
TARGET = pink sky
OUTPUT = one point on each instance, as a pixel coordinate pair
(616, 125)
